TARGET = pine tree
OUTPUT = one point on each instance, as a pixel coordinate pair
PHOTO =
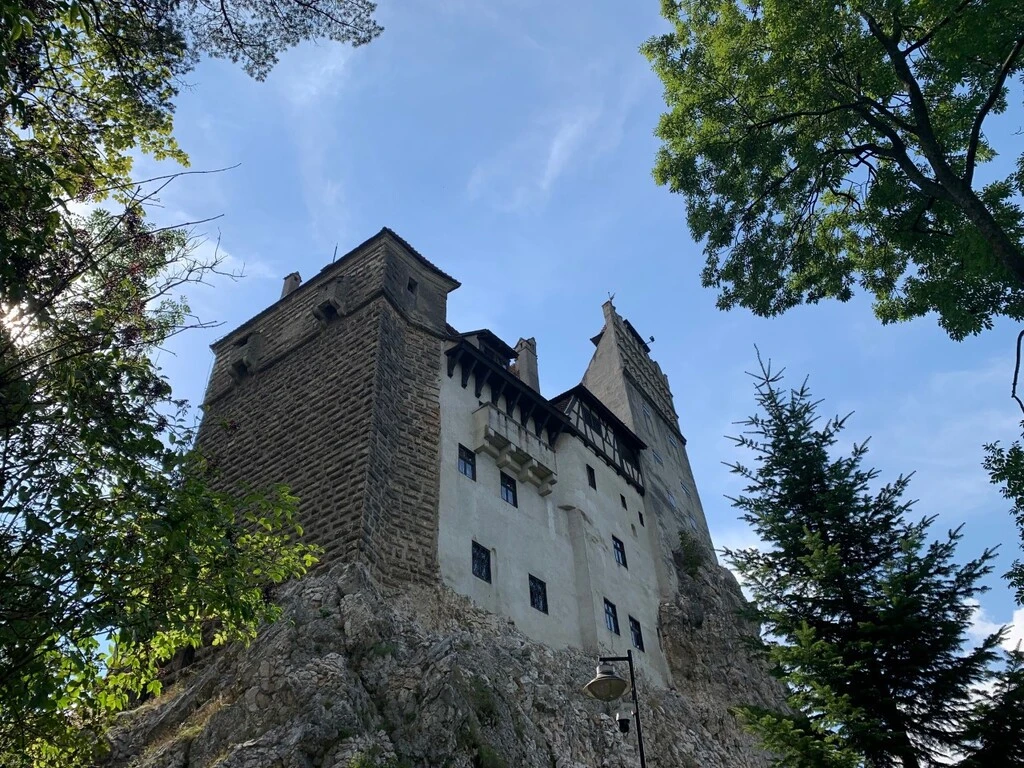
(864, 614)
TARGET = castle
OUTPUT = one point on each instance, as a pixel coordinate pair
(430, 454)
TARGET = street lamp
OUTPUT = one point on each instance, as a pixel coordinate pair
(608, 686)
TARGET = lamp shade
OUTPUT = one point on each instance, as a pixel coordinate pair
(607, 686)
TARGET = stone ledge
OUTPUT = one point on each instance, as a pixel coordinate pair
(514, 448)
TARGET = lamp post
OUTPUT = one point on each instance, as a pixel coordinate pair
(608, 686)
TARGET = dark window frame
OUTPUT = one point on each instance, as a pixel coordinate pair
(591, 420)
(622, 499)
(591, 477)
(619, 548)
(481, 554)
(509, 491)
(636, 634)
(538, 594)
(611, 616)
(467, 460)
(640, 515)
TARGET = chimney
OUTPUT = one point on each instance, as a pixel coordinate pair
(526, 363)
(293, 281)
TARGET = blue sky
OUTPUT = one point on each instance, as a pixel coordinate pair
(511, 143)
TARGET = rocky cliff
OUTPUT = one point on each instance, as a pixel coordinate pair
(351, 677)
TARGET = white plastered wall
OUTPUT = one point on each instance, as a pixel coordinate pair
(564, 538)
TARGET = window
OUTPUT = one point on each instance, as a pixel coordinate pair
(620, 552)
(640, 515)
(326, 312)
(467, 462)
(673, 444)
(591, 477)
(693, 523)
(411, 287)
(636, 634)
(682, 484)
(591, 420)
(623, 500)
(657, 457)
(647, 419)
(672, 500)
(482, 562)
(611, 617)
(239, 370)
(538, 594)
(508, 490)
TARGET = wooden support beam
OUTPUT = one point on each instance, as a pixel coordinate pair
(482, 374)
(497, 389)
(511, 400)
(467, 370)
(525, 411)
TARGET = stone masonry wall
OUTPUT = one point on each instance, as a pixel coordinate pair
(400, 525)
(342, 406)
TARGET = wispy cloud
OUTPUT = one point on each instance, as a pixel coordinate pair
(311, 81)
(313, 74)
(568, 133)
(982, 626)
(942, 444)
(521, 175)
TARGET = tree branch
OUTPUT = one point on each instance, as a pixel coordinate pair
(993, 97)
(1016, 373)
(927, 36)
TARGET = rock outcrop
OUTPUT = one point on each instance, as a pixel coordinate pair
(351, 677)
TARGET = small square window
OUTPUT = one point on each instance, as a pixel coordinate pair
(239, 370)
(640, 515)
(538, 594)
(611, 616)
(591, 477)
(412, 286)
(467, 462)
(482, 562)
(620, 552)
(326, 312)
(622, 499)
(508, 490)
(636, 633)
(657, 457)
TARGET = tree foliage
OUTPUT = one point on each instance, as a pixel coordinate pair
(1006, 469)
(865, 616)
(115, 551)
(825, 147)
(85, 83)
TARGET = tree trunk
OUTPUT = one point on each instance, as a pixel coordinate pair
(980, 216)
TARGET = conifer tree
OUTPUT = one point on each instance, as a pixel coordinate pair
(865, 615)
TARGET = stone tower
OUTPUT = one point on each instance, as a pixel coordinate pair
(625, 377)
(334, 390)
